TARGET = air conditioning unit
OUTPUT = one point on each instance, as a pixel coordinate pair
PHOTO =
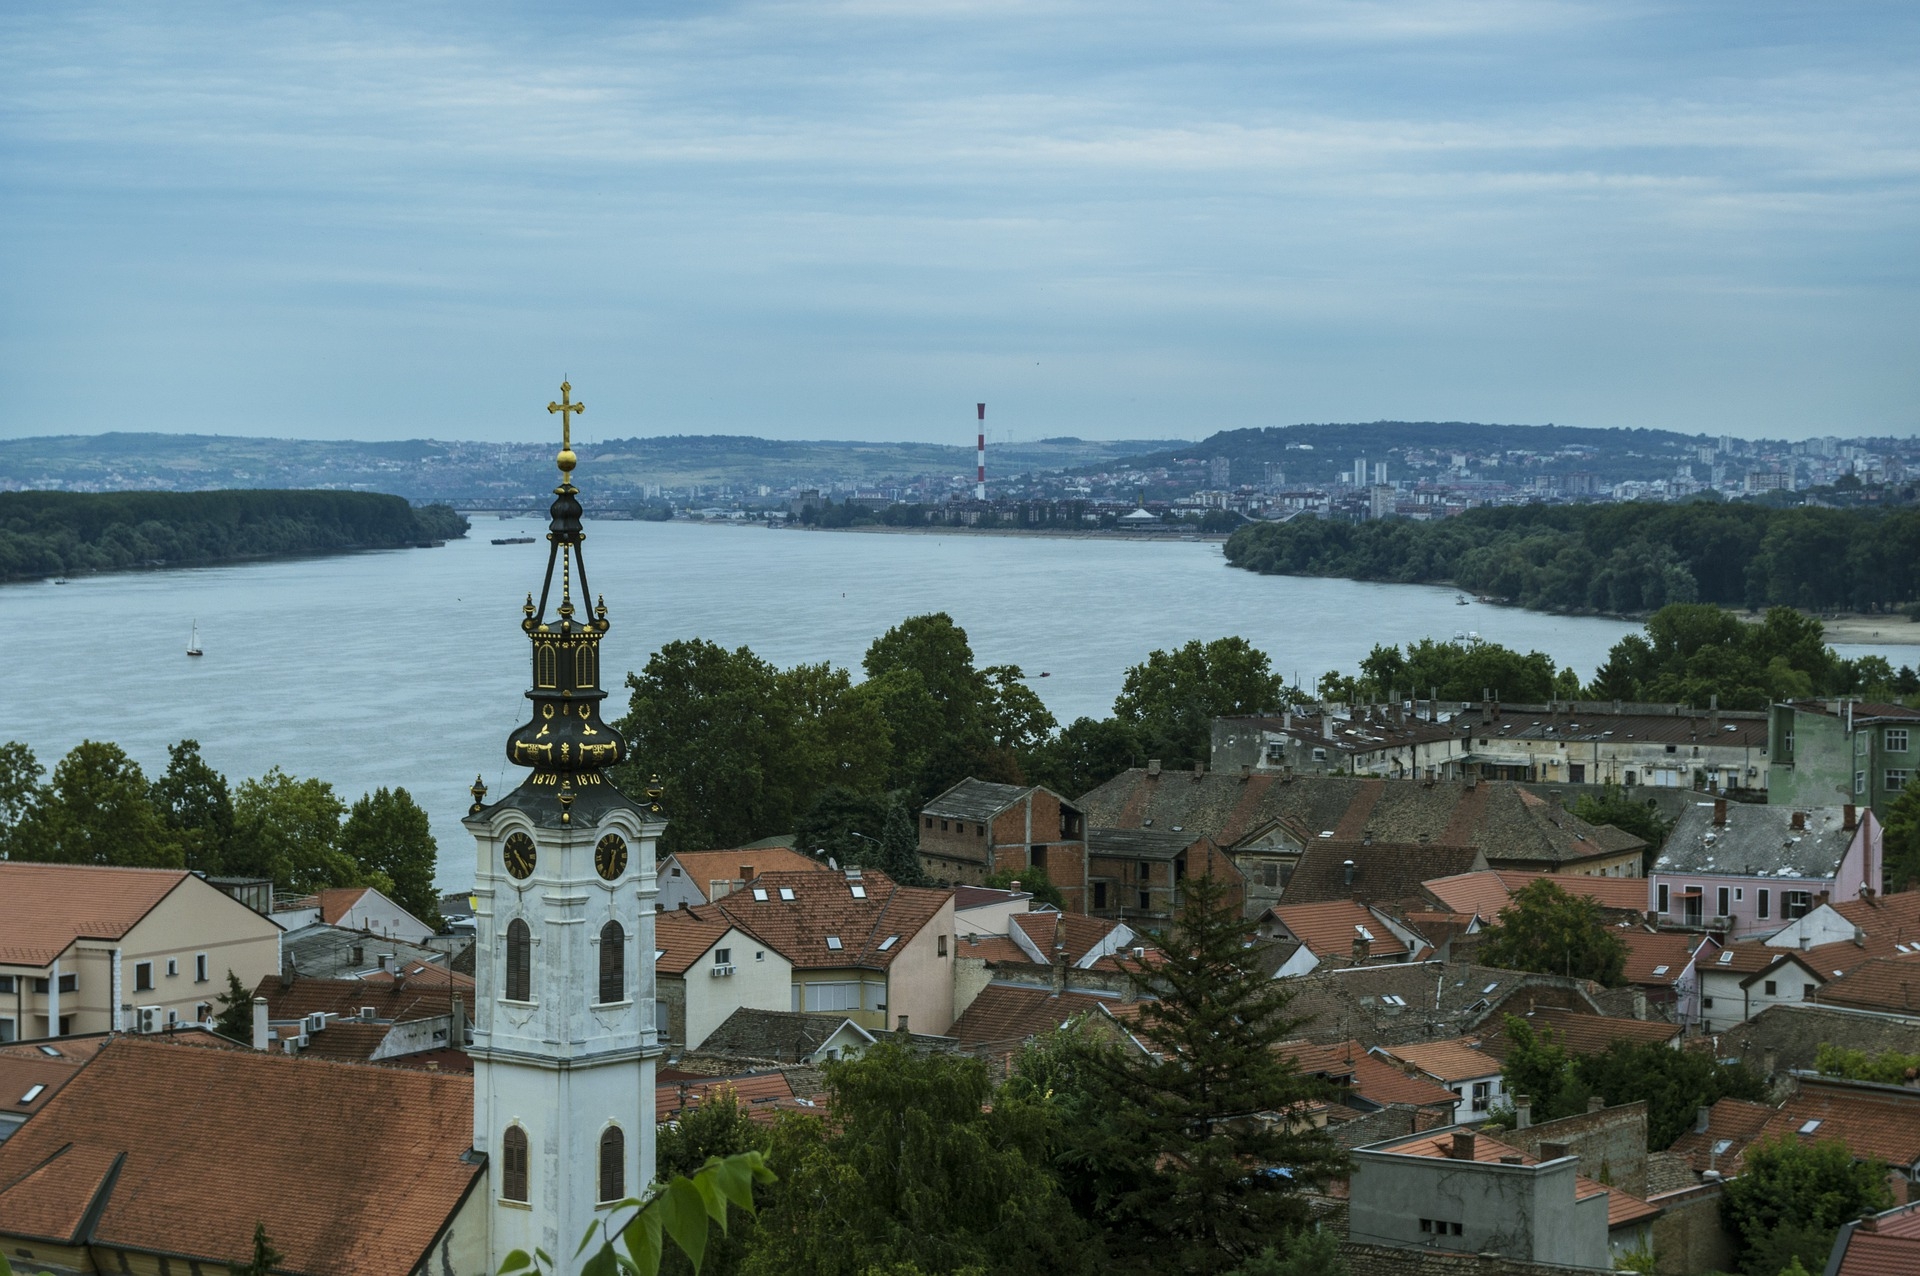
(149, 1019)
(316, 1022)
(292, 1044)
(367, 1014)
(723, 970)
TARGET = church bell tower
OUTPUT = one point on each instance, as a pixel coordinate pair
(564, 1047)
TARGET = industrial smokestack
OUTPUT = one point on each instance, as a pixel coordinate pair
(980, 478)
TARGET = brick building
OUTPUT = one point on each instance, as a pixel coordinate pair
(978, 828)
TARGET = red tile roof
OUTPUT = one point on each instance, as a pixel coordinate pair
(1578, 1033)
(1003, 1015)
(1621, 1207)
(1080, 935)
(683, 939)
(753, 1091)
(424, 974)
(1627, 894)
(1455, 1059)
(824, 906)
(994, 949)
(1329, 929)
(24, 1067)
(1349, 1065)
(965, 896)
(1732, 1122)
(1878, 983)
(345, 997)
(1658, 958)
(366, 1194)
(337, 901)
(1895, 916)
(45, 907)
(1886, 1244)
(704, 868)
(1483, 893)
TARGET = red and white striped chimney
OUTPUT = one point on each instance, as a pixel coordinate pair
(980, 480)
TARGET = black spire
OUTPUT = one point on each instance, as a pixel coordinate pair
(565, 742)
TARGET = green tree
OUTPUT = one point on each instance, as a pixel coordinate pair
(1537, 1066)
(235, 1020)
(900, 844)
(1544, 929)
(1308, 1253)
(679, 1209)
(947, 719)
(1792, 1196)
(1033, 879)
(194, 801)
(20, 774)
(289, 830)
(845, 826)
(1084, 755)
(1889, 1067)
(915, 1164)
(1172, 697)
(1457, 671)
(387, 833)
(1612, 806)
(1197, 1161)
(95, 810)
(718, 1128)
(1901, 840)
(1674, 1084)
(265, 1256)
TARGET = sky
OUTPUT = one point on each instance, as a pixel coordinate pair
(855, 220)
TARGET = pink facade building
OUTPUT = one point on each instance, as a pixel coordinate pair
(1748, 870)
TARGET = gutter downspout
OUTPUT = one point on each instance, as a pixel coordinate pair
(114, 989)
(53, 1001)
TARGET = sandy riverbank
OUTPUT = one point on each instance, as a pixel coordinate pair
(1870, 630)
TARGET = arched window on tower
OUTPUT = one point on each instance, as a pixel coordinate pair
(513, 1164)
(613, 963)
(613, 1164)
(519, 961)
(545, 663)
(583, 665)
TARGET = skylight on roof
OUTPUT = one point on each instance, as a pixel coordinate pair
(658, 953)
(833, 942)
(760, 894)
(50, 1052)
(1726, 958)
(889, 942)
(1721, 1145)
(1810, 1127)
(786, 893)
(33, 1092)
(1490, 987)
(1364, 932)
(1659, 970)
(859, 892)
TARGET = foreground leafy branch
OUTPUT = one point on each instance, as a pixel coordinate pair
(681, 1210)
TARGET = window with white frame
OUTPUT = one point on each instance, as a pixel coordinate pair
(1896, 740)
(1859, 782)
(1482, 1095)
(1896, 779)
(838, 996)
(200, 968)
(1662, 890)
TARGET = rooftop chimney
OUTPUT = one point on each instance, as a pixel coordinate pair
(1799, 821)
(1199, 769)
(1595, 1102)
(1349, 872)
(1462, 1145)
(1701, 1116)
(458, 1037)
(260, 1033)
(903, 1023)
(1522, 1111)
(1153, 766)
(1361, 950)
(1719, 813)
(1552, 1151)
(1847, 816)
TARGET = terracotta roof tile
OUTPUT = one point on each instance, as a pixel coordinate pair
(346, 1040)
(1005, 1015)
(965, 896)
(345, 997)
(1623, 894)
(704, 868)
(824, 906)
(336, 902)
(1658, 958)
(1731, 1125)
(1482, 893)
(994, 949)
(24, 1067)
(1872, 1120)
(1456, 1059)
(1895, 916)
(1080, 934)
(1329, 929)
(1872, 1254)
(425, 974)
(50, 1200)
(368, 1194)
(45, 907)
(1579, 1034)
(1878, 983)
(750, 1090)
(683, 939)
(1350, 1066)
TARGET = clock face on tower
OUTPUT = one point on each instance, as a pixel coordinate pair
(520, 856)
(610, 856)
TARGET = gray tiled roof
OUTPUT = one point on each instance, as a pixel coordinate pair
(975, 800)
(1756, 840)
(1512, 826)
(1383, 872)
(1138, 844)
(785, 1035)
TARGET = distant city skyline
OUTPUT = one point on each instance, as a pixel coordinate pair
(815, 221)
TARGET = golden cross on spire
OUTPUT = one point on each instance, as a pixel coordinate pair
(566, 408)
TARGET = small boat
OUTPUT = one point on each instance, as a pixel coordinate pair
(60, 580)
(193, 642)
(513, 540)
(1460, 600)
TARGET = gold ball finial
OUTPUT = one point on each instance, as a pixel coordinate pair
(566, 460)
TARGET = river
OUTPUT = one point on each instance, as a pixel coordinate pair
(407, 667)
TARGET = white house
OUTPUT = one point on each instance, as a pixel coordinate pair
(706, 970)
(360, 908)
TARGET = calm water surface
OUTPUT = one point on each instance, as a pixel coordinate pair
(408, 667)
